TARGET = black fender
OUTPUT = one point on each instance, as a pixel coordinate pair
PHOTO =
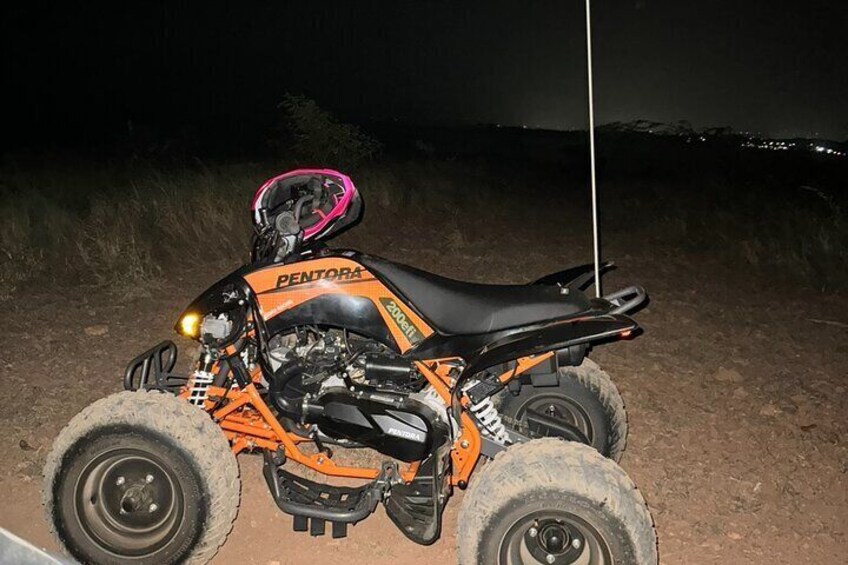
(550, 337)
(554, 336)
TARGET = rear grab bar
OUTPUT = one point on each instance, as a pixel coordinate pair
(626, 299)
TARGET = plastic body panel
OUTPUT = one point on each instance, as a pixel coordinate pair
(337, 291)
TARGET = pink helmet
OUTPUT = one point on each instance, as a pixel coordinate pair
(309, 204)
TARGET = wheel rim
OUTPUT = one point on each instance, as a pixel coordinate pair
(561, 408)
(129, 502)
(553, 538)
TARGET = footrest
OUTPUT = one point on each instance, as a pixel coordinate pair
(312, 504)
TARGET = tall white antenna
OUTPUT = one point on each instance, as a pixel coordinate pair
(597, 243)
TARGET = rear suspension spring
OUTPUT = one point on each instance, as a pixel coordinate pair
(490, 419)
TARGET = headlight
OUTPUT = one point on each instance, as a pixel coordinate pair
(216, 328)
(190, 325)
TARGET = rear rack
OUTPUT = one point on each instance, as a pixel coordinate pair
(622, 303)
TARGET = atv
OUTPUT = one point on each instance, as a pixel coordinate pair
(309, 353)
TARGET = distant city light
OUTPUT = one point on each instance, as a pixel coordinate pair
(752, 142)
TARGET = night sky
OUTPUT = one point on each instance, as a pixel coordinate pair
(77, 72)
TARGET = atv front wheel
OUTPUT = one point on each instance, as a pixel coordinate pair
(551, 502)
(141, 477)
(585, 402)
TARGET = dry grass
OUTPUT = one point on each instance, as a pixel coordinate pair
(792, 232)
(126, 227)
(125, 233)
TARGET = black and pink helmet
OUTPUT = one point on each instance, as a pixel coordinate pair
(322, 201)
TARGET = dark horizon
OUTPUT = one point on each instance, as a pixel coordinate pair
(81, 75)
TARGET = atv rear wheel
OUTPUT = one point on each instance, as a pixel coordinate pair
(585, 401)
(141, 477)
(551, 502)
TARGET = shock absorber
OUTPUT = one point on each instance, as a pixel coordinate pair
(199, 383)
(490, 419)
(198, 387)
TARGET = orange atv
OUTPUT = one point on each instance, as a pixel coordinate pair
(310, 352)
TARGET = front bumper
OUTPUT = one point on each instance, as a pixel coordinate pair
(153, 370)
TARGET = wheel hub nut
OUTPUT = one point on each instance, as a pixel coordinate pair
(120, 481)
(153, 507)
(575, 543)
(550, 558)
(148, 478)
(533, 532)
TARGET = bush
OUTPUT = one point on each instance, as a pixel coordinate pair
(319, 139)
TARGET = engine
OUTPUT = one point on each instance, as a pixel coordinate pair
(349, 390)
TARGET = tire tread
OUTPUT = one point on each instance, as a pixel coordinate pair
(194, 432)
(546, 463)
(597, 380)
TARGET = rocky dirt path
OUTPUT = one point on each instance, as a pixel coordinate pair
(736, 395)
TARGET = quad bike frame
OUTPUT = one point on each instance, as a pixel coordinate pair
(249, 424)
(418, 488)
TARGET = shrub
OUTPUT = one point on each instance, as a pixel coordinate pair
(320, 139)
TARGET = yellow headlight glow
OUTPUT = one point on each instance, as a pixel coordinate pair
(189, 325)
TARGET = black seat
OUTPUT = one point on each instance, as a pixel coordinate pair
(456, 307)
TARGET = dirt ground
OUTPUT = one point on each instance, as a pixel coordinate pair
(736, 394)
